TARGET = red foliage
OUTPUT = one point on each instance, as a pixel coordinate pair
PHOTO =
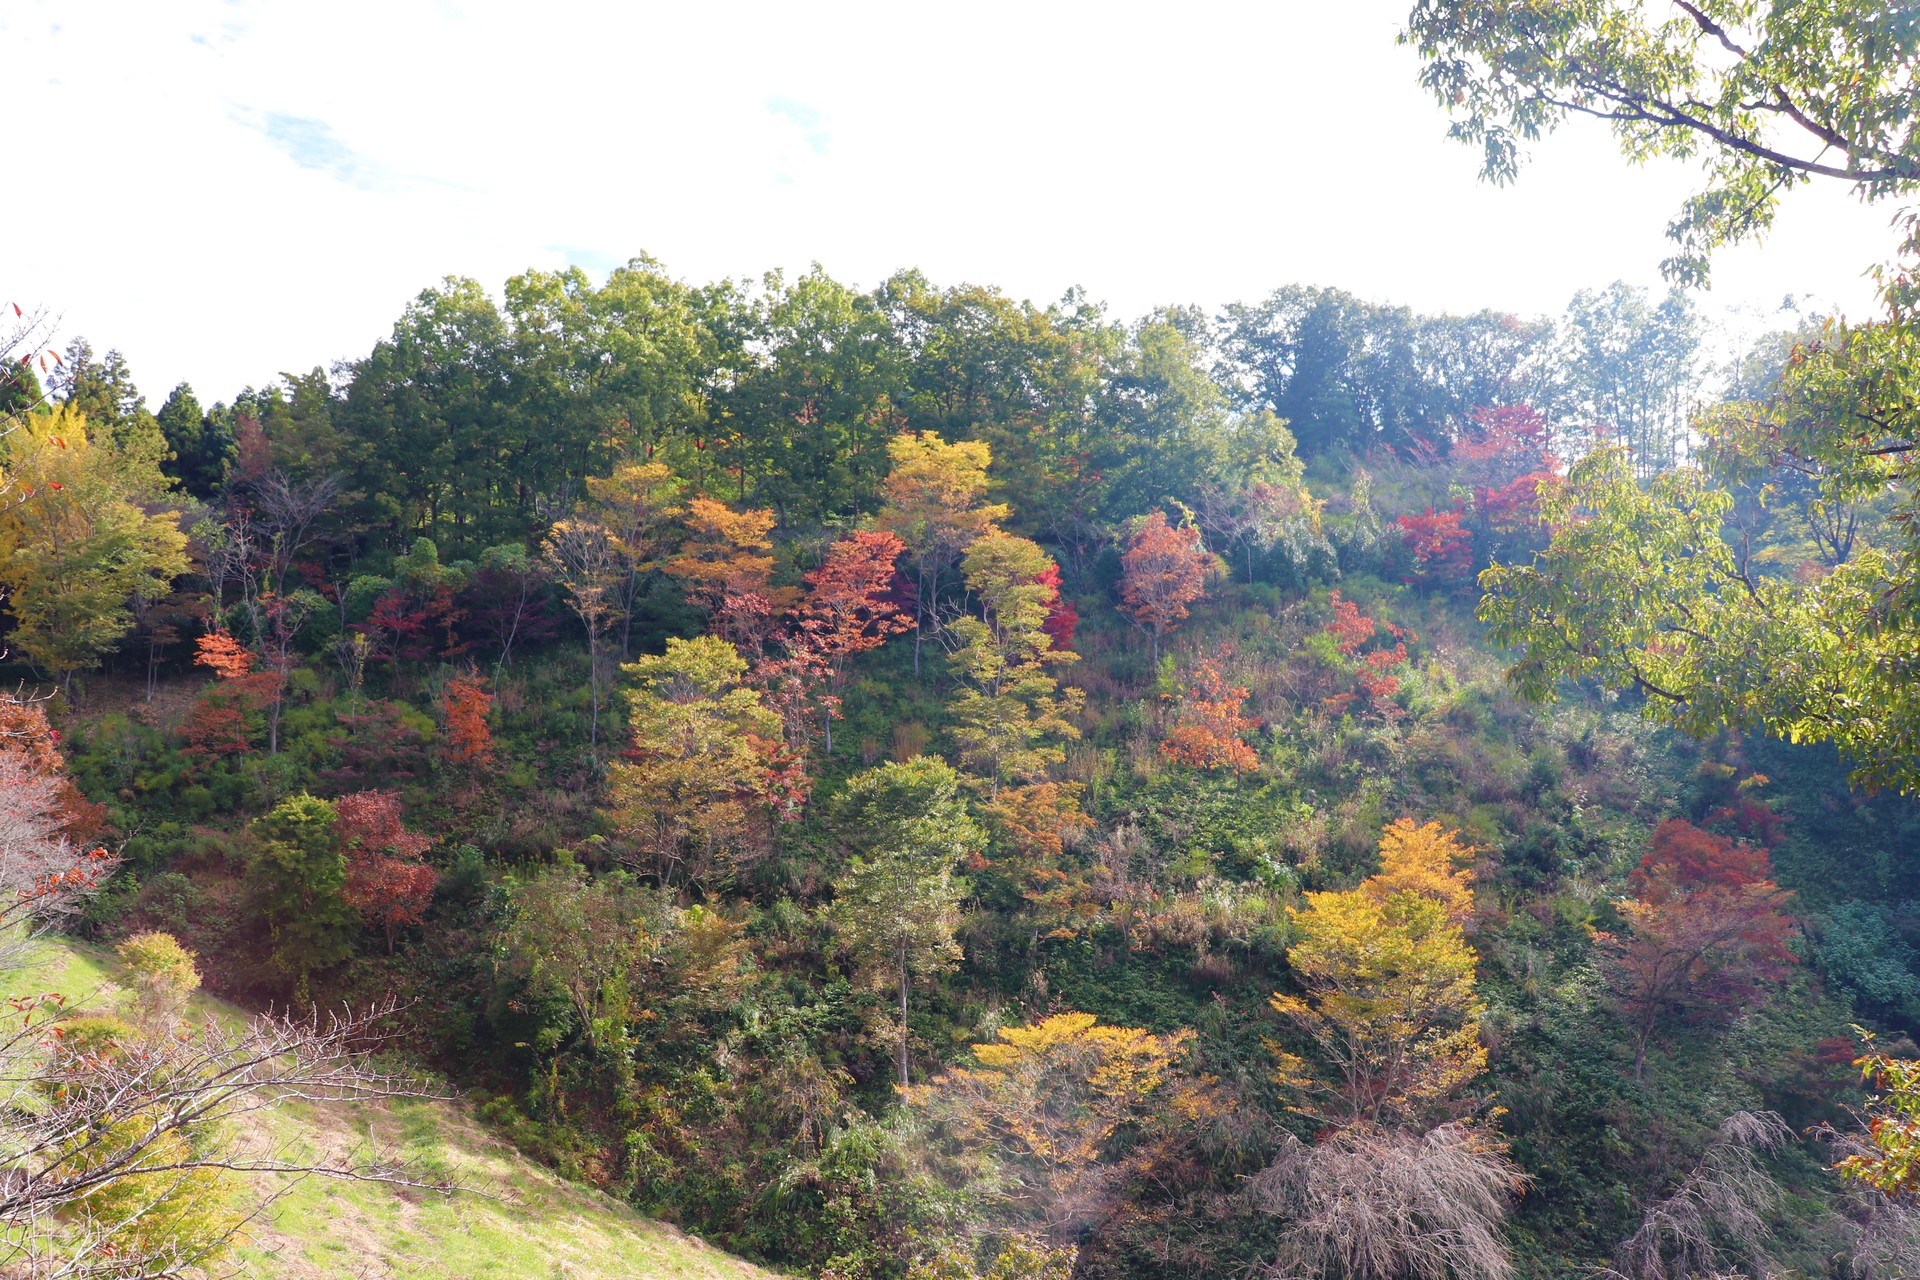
(1208, 729)
(388, 880)
(1442, 550)
(1709, 931)
(464, 705)
(218, 725)
(1349, 628)
(411, 626)
(1063, 620)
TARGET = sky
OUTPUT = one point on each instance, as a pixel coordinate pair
(240, 188)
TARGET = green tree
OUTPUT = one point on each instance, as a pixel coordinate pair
(298, 872)
(199, 446)
(1768, 97)
(897, 905)
(1010, 712)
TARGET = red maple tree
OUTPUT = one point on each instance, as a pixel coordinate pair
(1709, 933)
(1442, 549)
(848, 610)
(388, 880)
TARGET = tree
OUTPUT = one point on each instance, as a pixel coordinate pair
(73, 560)
(1164, 570)
(387, 878)
(1770, 97)
(464, 704)
(299, 870)
(720, 561)
(846, 611)
(163, 975)
(1209, 728)
(635, 506)
(1708, 932)
(935, 503)
(898, 902)
(585, 564)
(695, 794)
(45, 876)
(1043, 1106)
(1640, 588)
(1388, 987)
(121, 1137)
(1010, 711)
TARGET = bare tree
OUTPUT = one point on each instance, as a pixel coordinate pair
(101, 1135)
(44, 878)
(1716, 1216)
(1367, 1203)
(585, 563)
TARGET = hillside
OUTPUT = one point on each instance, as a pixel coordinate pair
(512, 1219)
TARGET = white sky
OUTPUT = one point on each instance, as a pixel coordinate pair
(242, 188)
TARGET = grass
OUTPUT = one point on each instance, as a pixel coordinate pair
(518, 1219)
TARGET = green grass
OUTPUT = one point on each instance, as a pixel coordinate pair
(515, 1219)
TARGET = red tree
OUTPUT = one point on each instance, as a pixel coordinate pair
(847, 611)
(1442, 550)
(1709, 932)
(218, 725)
(1164, 570)
(1062, 618)
(388, 880)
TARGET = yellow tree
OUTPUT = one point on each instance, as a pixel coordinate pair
(723, 566)
(1042, 1110)
(74, 557)
(635, 506)
(1387, 989)
(936, 505)
(699, 790)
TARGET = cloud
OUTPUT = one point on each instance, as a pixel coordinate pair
(312, 144)
(804, 118)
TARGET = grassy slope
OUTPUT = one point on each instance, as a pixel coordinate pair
(520, 1221)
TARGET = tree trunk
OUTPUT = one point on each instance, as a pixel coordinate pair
(904, 1081)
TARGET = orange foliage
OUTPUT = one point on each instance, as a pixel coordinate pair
(720, 556)
(1164, 571)
(1208, 727)
(464, 706)
(225, 656)
(25, 734)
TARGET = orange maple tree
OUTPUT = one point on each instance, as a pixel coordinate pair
(1164, 570)
(721, 562)
(1209, 729)
(464, 705)
(388, 880)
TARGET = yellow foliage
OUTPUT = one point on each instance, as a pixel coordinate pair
(1424, 860)
(1047, 1098)
(1388, 989)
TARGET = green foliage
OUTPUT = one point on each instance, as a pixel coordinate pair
(298, 870)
